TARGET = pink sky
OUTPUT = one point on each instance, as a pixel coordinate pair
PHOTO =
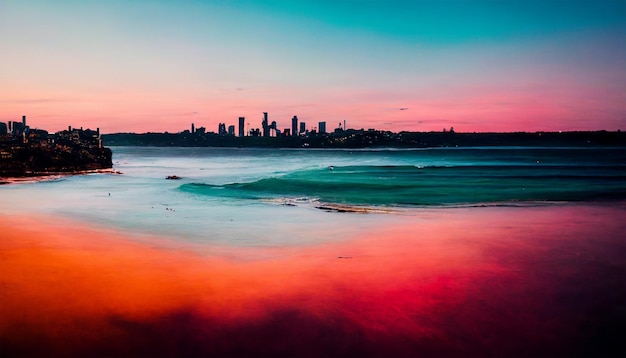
(112, 67)
(469, 109)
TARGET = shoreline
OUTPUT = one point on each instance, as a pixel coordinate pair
(48, 176)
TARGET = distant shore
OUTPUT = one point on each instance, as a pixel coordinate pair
(371, 138)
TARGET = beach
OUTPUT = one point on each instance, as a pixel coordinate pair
(490, 281)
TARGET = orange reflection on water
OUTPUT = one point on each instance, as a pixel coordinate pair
(478, 281)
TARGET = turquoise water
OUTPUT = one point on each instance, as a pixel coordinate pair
(411, 185)
(270, 196)
(321, 253)
(438, 178)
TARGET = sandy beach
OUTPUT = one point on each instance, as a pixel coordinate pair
(523, 281)
(51, 176)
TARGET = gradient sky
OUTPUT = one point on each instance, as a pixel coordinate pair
(161, 65)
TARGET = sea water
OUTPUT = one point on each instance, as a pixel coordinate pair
(269, 252)
(293, 196)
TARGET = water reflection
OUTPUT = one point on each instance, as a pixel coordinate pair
(539, 281)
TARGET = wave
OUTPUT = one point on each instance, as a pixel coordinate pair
(411, 185)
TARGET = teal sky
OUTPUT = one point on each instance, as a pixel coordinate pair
(160, 65)
(446, 22)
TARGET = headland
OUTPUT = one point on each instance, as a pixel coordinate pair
(26, 152)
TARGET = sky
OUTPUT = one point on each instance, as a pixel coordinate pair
(154, 66)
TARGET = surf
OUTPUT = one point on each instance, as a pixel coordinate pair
(411, 185)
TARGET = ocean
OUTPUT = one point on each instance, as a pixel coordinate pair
(500, 251)
(236, 190)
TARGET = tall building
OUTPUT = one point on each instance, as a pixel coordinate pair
(242, 121)
(3, 128)
(294, 125)
(322, 127)
(231, 130)
(17, 128)
(302, 127)
(221, 130)
(24, 121)
(266, 127)
(193, 129)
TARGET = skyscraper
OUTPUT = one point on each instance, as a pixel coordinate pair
(231, 130)
(17, 128)
(294, 126)
(193, 128)
(266, 127)
(242, 121)
(3, 128)
(322, 127)
(302, 127)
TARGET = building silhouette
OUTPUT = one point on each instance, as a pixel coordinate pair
(321, 127)
(242, 121)
(231, 130)
(3, 128)
(294, 125)
(193, 129)
(302, 127)
(266, 127)
(221, 130)
(17, 128)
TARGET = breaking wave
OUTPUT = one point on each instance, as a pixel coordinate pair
(408, 185)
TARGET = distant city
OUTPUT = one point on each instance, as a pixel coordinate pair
(19, 132)
(301, 136)
(268, 129)
(16, 135)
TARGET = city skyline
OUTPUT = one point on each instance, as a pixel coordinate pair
(395, 65)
